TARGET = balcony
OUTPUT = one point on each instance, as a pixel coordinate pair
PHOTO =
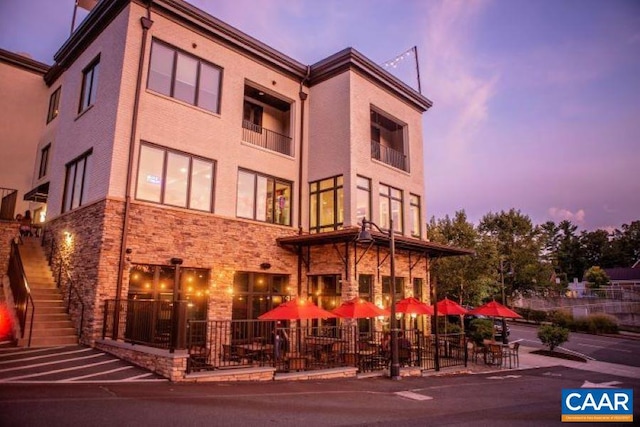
(389, 156)
(265, 138)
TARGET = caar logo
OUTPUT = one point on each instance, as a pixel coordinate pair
(597, 404)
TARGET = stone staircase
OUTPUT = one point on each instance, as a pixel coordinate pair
(52, 325)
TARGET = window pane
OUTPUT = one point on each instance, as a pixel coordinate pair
(396, 212)
(246, 190)
(326, 183)
(326, 208)
(384, 212)
(68, 188)
(262, 194)
(283, 204)
(150, 174)
(161, 69)
(208, 95)
(201, 185)
(186, 77)
(175, 191)
(313, 211)
(77, 188)
(94, 84)
(340, 210)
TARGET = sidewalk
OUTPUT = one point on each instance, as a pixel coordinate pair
(528, 360)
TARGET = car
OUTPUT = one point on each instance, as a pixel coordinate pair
(497, 324)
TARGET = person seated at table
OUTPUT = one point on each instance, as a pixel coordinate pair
(280, 339)
(404, 349)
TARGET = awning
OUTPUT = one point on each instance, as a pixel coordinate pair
(38, 194)
(430, 249)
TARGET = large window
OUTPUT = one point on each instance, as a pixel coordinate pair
(44, 161)
(415, 217)
(386, 290)
(326, 208)
(326, 292)
(54, 102)
(391, 207)
(417, 288)
(184, 77)
(256, 293)
(263, 198)
(175, 178)
(75, 185)
(89, 85)
(365, 292)
(363, 198)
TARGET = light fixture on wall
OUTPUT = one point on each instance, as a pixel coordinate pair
(265, 266)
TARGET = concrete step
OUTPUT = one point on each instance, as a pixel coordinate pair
(49, 341)
(50, 317)
(46, 293)
(52, 332)
(53, 324)
(61, 309)
(48, 303)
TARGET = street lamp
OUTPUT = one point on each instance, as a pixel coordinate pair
(365, 237)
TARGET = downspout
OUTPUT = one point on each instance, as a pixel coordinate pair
(303, 98)
(146, 23)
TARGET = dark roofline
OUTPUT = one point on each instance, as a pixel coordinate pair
(430, 249)
(351, 59)
(23, 62)
(347, 59)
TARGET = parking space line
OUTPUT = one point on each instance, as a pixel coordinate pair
(30, 351)
(122, 368)
(54, 362)
(57, 371)
(44, 356)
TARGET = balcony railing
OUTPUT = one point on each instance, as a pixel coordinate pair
(388, 156)
(265, 138)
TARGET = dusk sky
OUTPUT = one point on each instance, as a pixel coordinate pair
(536, 103)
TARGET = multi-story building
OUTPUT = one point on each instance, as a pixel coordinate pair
(183, 159)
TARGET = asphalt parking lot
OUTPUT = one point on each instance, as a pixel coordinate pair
(75, 364)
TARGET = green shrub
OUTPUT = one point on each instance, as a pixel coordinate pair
(604, 323)
(480, 330)
(445, 326)
(598, 323)
(560, 318)
(538, 316)
(552, 336)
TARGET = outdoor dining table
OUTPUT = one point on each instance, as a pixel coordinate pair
(255, 351)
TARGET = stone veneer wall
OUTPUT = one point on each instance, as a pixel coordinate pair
(90, 254)
(8, 231)
(89, 238)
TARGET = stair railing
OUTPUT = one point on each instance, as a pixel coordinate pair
(55, 257)
(21, 292)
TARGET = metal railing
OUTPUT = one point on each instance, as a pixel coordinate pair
(146, 322)
(56, 261)
(8, 198)
(22, 298)
(265, 138)
(227, 344)
(388, 156)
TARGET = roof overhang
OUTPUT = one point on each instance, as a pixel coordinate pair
(38, 194)
(430, 249)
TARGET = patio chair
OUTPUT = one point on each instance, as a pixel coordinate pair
(514, 357)
(494, 355)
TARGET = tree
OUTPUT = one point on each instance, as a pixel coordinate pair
(467, 278)
(596, 277)
(519, 247)
(570, 259)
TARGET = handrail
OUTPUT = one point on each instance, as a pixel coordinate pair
(265, 138)
(21, 294)
(55, 250)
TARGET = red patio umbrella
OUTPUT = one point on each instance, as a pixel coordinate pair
(297, 309)
(357, 308)
(447, 307)
(413, 306)
(495, 309)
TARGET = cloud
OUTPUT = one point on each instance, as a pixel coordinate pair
(456, 79)
(561, 214)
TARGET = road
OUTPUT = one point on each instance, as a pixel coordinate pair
(597, 347)
(516, 398)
